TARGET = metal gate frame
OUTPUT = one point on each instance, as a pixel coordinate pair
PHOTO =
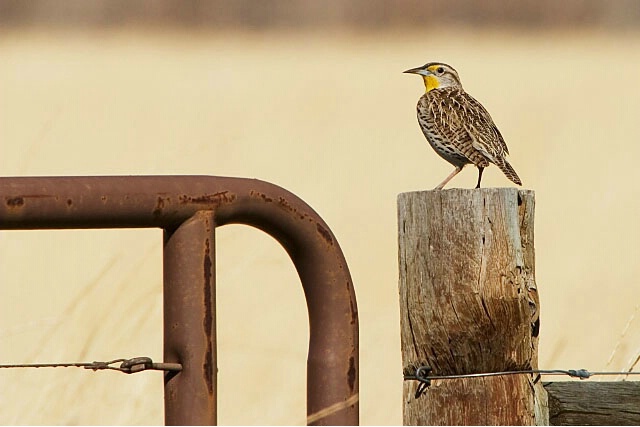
(188, 209)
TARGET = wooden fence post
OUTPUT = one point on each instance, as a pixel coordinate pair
(469, 304)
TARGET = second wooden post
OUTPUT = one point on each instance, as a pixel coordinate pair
(469, 304)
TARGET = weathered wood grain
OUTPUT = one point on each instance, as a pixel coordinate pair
(469, 304)
(594, 403)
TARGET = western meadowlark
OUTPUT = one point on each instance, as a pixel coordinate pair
(457, 126)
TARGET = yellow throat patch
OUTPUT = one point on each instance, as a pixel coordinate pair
(431, 82)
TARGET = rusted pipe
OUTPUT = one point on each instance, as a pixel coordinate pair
(168, 201)
(190, 321)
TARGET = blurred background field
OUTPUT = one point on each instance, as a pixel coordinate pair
(311, 98)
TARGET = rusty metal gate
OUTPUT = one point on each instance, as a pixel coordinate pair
(188, 209)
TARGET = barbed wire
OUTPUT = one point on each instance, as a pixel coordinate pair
(422, 375)
(128, 366)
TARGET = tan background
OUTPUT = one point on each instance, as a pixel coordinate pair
(329, 116)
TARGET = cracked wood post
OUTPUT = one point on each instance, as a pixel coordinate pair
(469, 304)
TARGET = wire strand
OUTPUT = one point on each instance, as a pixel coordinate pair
(128, 366)
(422, 375)
(575, 373)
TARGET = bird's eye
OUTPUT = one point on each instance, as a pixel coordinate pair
(440, 70)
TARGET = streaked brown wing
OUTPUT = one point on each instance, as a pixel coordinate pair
(481, 128)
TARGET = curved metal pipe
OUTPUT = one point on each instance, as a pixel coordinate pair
(168, 201)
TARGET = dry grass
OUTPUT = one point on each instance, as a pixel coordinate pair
(331, 118)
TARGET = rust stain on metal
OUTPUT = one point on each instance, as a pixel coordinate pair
(286, 206)
(208, 318)
(157, 211)
(282, 202)
(20, 201)
(14, 202)
(351, 374)
(206, 199)
(326, 235)
(263, 196)
(354, 310)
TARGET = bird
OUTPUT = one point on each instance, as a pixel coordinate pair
(457, 126)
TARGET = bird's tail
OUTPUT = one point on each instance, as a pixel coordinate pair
(508, 170)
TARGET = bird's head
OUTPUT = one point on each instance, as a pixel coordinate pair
(437, 75)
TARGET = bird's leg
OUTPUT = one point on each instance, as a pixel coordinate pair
(447, 179)
(480, 170)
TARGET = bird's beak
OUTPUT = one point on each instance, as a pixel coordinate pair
(418, 70)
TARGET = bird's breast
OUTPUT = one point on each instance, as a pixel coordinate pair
(439, 136)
